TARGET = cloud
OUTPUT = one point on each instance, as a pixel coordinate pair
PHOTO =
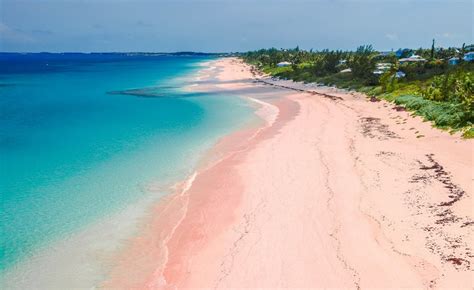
(14, 35)
(392, 36)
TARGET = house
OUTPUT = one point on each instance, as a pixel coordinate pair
(469, 56)
(283, 64)
(413, 58)
(384, 53)
(400, 74)
(453, 61)
(383, 66)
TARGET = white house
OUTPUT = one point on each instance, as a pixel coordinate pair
(283, 63)
(413, 58)
(378, 72)
(383, 66)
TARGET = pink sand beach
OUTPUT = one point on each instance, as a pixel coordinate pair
(329, 190)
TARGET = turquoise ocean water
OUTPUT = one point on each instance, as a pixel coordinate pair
(72, 153)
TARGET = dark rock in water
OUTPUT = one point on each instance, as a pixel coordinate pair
(152, 92)
(159, 93)
(137, 93)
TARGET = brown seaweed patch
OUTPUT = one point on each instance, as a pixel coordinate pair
(373, 128)
(399, 108)
(444, 236)
(459, 262)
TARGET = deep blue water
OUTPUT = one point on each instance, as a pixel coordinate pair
(71, 152)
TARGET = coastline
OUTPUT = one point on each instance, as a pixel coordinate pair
(147, 270)
(87, 254)
(336, 192)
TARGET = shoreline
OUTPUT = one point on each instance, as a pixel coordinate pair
(273, 212)
(164, 220)
(89, 253)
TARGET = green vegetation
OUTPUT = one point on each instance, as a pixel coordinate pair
(425, 84)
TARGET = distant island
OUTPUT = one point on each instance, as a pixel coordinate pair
(132, 53)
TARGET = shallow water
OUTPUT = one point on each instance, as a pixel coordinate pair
(84, 136)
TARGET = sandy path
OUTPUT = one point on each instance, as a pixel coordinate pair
(337, 192)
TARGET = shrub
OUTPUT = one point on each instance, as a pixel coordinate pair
(452, 87)
(362, 63)
(444, 114)
(327, 62)
(469, 133)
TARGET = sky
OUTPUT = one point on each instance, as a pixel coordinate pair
(230, 25)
